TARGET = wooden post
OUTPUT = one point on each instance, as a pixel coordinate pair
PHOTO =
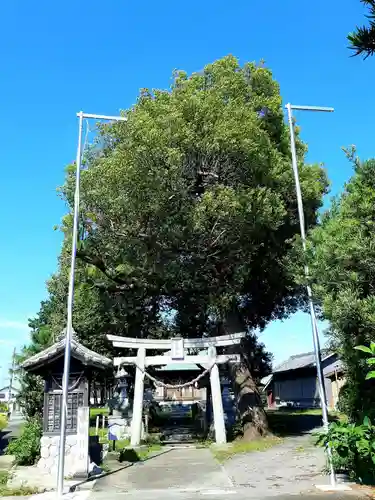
(217, 401)
(136, 427)
(97, 425)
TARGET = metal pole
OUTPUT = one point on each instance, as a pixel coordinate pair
(314, 323)
(103, 117)
(11, 379)
(69, 326)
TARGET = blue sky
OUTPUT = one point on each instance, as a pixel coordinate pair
(60, 57)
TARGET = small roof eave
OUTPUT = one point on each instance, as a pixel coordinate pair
(55, 351)
(266, 381)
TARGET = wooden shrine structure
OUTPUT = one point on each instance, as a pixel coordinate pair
(178, 348)
(49, 364)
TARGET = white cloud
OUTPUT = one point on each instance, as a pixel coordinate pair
(14, 325)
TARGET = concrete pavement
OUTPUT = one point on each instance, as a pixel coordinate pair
(174, 468)
(189, 473)
(237, 494)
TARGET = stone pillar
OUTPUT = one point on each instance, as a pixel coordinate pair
(217, 402)
(136, 428)
(83, 422)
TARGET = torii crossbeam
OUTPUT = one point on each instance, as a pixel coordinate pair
(177, 347)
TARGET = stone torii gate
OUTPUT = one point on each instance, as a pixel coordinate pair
(177, 346)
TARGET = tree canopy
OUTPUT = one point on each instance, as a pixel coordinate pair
(190, 209)
(362, 39)
(342, 267)
(188, 213)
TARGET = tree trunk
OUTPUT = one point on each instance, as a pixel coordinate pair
(250, 410)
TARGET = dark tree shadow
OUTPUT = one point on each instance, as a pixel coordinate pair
(285, 423)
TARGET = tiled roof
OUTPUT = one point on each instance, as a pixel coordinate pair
(80, 352)
(297, 361)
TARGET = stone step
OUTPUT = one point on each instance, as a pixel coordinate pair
(178, 428)
(179, 438)
(179, 434)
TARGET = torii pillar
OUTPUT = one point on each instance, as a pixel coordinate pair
(217, 401)
(136, 426)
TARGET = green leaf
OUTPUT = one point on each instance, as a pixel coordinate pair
(363, 348)
(370, 375)
(367, 421)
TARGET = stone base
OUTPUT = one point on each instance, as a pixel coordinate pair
(119, 428)
(49, 452)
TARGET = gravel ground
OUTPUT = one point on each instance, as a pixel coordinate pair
(292, 467)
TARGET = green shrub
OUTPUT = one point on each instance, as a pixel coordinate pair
(128, 455)
(353, 449)
(345, 399)
(26, 448)
(371, 360)
(3, 421)
(3, 408)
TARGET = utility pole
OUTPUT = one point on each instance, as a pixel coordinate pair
(69, 324)
(11, 376)
(314, 322)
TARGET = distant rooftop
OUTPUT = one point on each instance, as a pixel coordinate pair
(296, 362)
(303, 360)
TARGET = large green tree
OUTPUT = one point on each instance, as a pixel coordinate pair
(362, 39)
(189, 212)
(342, 266)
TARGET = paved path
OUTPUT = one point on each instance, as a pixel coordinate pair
(241, 494)
(176, 468)
(290, 468)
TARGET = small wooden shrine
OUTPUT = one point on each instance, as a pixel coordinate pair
(49, 364)
(178, 373)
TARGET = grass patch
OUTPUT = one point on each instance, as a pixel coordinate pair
(305, 411)
(94, 412)
(103, 438)
(102, 433)
(23, 491)
(6, 491)
(237, 447)
(333, 415)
